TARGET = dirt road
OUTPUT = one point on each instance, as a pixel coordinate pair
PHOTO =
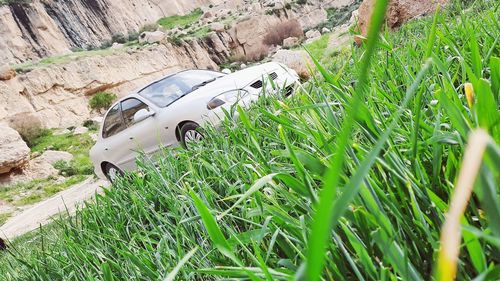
(42, 212)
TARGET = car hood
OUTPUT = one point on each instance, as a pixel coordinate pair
(236, 80)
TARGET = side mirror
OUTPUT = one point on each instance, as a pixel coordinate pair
(142, 115)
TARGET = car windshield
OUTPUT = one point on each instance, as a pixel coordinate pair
(166, 91)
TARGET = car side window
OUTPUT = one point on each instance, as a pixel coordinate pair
(130, 108)
(113, 123)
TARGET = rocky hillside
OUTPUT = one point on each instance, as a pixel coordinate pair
(38, 28)
(56, 90)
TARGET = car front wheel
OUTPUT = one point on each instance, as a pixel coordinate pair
(190, 134)
(112, 172)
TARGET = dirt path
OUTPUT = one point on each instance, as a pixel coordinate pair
(42, 212)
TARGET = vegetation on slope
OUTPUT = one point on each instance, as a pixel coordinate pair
(180, 21)
(361, 166)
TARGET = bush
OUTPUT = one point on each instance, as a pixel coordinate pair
(102, 100)
(283, 30)
(73, 168)
(91, 125)
(29, 127)
(150, 27)
(119, 38)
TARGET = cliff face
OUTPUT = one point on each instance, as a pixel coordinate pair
(48, 27)
(58, 95)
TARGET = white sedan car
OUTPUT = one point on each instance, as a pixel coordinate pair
(168, 112)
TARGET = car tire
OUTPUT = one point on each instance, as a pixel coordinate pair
(190, 132)
(112, 172)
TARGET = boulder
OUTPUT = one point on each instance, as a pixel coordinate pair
(217, 27)
(325, 30)
(7, 73)
(52, 156)
(313, 34)
(14, 152)
(117, 46)
(290, 42)
(152, 37)
(296, 60)
(398, 12)
(80, 131)
(61, 132)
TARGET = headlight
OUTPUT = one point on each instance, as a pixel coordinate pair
(230, 97)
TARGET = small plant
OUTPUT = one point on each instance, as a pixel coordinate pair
(101, 100)
(150, 27)
(119, 38)
(65, 168)
(283, 30)
(91, 125)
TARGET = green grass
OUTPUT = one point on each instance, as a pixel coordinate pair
(78, 145)
(32, 192)
(4, 217)
(60, 59)
(319, 47)
(360, 165)
(181, 21)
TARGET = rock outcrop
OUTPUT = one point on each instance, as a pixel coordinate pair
(41, 28)
(15, 152)
(398, 12)
(58, 95)
(6, 72)
(299, 61)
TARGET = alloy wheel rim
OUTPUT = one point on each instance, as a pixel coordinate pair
(192, 136)
(113, 174)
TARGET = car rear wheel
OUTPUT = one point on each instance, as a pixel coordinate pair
(112, 172)
(190, 133)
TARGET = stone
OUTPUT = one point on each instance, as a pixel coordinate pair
(94, 137)
(311, 34)
(98, 119)
(398, 12)
(7, 73)
(14, 153)
(52, 156)
(243, 66)
(290, 42)
(80, 131)
(62, 132)
(117, 46)
(207, 14)
(217, 27)
(152, 37)
(325, 30)
(298, 60)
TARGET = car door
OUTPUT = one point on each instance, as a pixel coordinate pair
(115, 145)
(144, 136)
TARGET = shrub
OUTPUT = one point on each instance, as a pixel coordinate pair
(65, 168)
(133, 36)
(29, 127)
(91, 125)
(102, 100)
(150, 27)
(301, 2)
(283, 30)
(118, 38)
